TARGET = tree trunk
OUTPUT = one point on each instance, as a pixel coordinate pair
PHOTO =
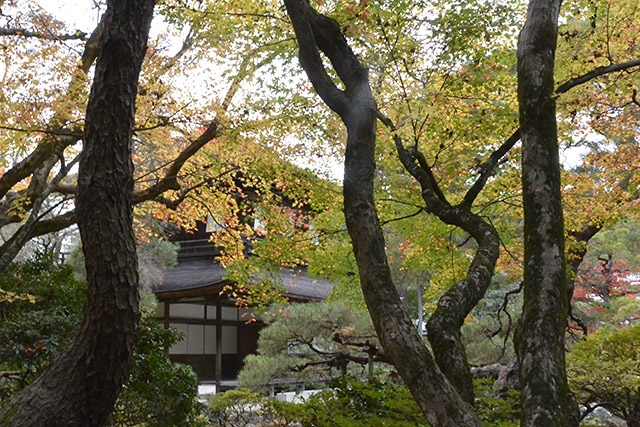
(80, 388)
(456, 304)
(439, 401)
(539, 342)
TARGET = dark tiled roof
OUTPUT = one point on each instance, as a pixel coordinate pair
(191, 274)
(296, 282)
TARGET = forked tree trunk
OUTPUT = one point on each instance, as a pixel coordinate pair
(80, 388)
(540, 344)
(438, 399)
(454, 306)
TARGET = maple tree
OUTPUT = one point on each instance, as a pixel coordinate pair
(186, 146)
(39, 182)
(606, 293)
(606, 283)
(544, 275)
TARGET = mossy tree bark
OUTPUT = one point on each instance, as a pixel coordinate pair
(444, 325)
(80, 388)
(438, 399)
(540, 346)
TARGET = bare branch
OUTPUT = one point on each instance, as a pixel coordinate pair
(488, 167)
(52, 225)
(400, 218)
(186, 45)
(503, 309)
(597, 72)
(22, 32)
(634, 98)
(421, 172)
(11, 247)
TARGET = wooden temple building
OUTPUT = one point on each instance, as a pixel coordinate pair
(217, 336)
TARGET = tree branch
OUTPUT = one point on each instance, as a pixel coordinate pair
(597, 72)
(170, 179)
(302, 16)
(52, 225)
(186, 45)
(488, 167)
(432, 194)
(453, 307)
(22, 32)
(400, 218)
(11, 247)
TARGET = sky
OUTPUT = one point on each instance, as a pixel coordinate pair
(80, 14)
(84, 15)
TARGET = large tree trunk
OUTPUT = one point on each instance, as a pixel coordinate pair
(440, 402)
(80, 388)
(456, 304)
(546, 397)
(438, 399)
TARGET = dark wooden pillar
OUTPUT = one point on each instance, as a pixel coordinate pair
(218, 344)
(167, 314)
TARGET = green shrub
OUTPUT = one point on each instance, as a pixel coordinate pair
(351, 402)
(288, 414)
(35, 330)
(605, 369)
(347, 403)
(494, 411)
(235, 408)
(157, 392)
